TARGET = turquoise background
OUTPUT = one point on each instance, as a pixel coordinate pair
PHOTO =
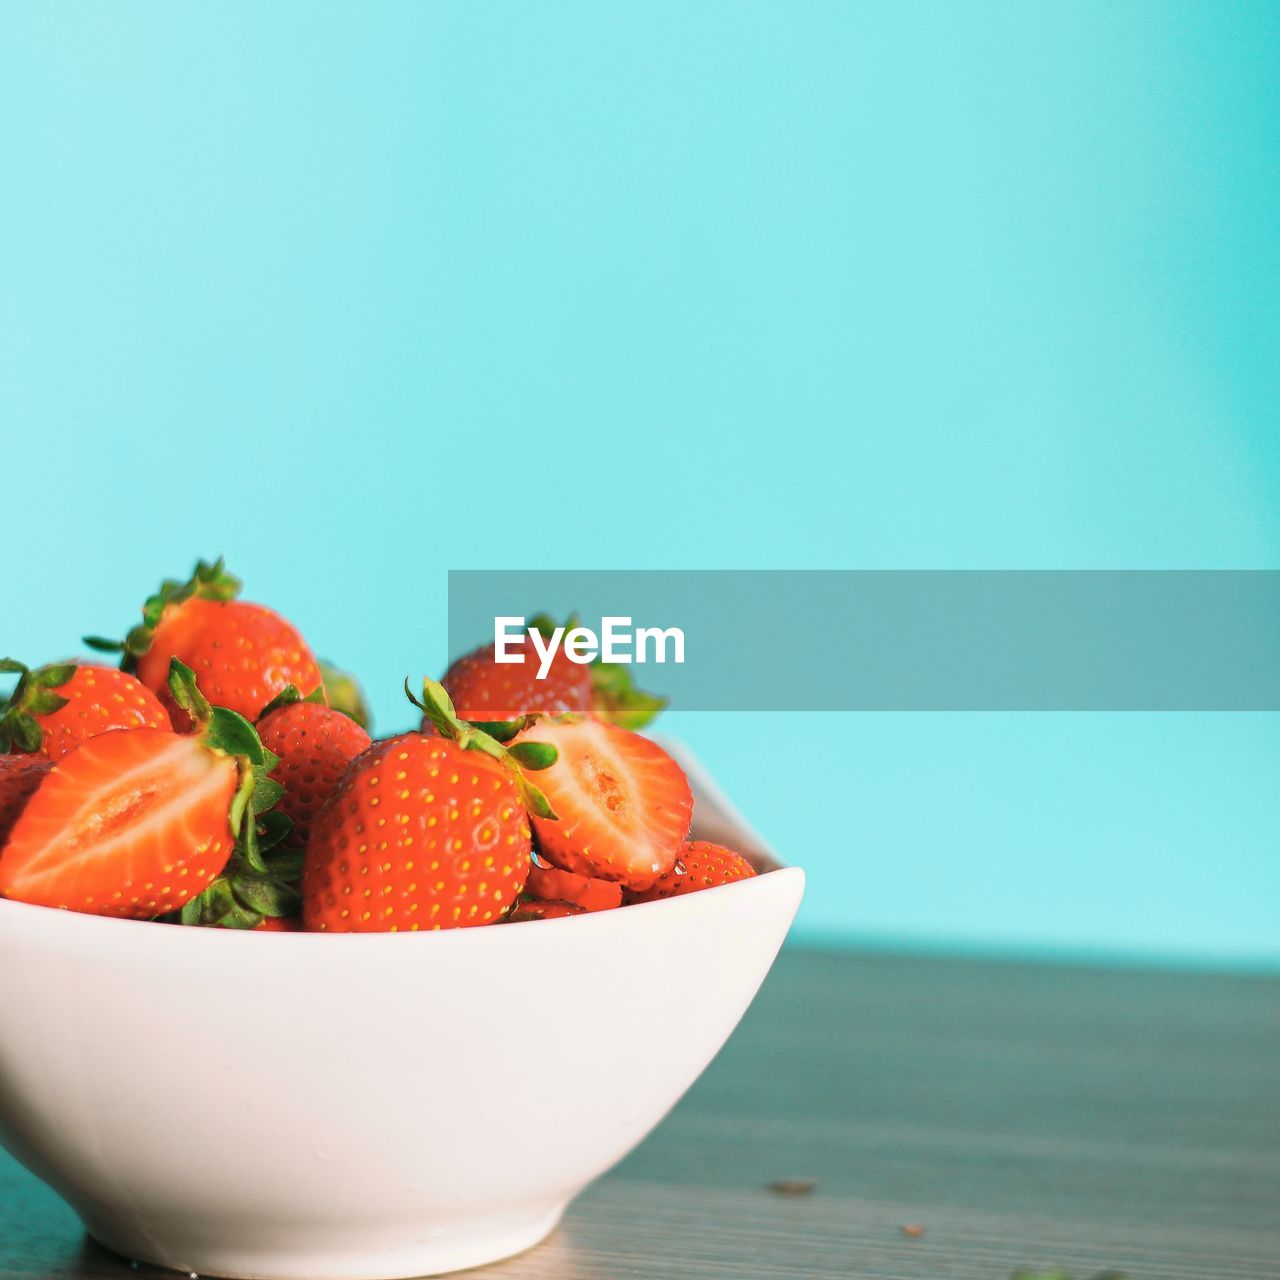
(356, 294)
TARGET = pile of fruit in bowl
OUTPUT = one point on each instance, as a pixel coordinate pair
(423, 1095)
(221, 776)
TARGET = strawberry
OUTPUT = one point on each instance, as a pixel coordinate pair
(540, 910)
(315, 744)
(58, 707)
(623, 804)
(550, 884)
(131, 823)
(140, 822)
(701, 865)
(488, 691)
(19, 777)
(242, 654)
(423, 832)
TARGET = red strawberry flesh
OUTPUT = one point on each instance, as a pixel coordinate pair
(132, 823)
(553, 885)
(622, 804)
(701, 865)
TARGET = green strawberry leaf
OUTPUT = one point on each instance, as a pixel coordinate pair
(44, 702)
(503, 730)
(273, 827)
(267, 897)
(437, 706)
(186, 692)
(257, 880)
(267, 792)
(616, 697)
(286, 864)
(55, 675)
(228, 731)
(534, 800)
(619, 701)
(27, 734)
(289, 695)
(241, 801)
(534, 755)
(32, 696)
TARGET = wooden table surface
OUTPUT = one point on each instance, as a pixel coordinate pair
(1023, 1117)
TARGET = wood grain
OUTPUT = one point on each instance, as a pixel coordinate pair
(1025, 1117)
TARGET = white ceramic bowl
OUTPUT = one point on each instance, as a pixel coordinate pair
(318, 1107)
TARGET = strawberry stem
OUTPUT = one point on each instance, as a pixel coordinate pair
(32, 696)
(208, 581)
(619, 701)
(437, 706)
(258, 879)
(289, 695)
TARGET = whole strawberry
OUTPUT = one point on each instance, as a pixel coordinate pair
(315, 744)
(550, 884)
(242, 654)
(141, 822)
(56, 708)
(423, 832)
(20, 775)
(486, 690)
(701, 865)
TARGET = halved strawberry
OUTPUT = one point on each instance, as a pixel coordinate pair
(141, 822)
(57, 707)
(19, 777)
(623, 806)
(132, 823)
(701, 865)
(550, 884)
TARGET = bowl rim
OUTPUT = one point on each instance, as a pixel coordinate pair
(83, 923)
